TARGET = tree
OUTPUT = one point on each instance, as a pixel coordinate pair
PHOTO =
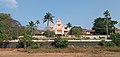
(10, 26)
(49, 33)
(69, 24)
(99, 26)
(48, 17)
(107, 15)
(75, 30)
(37, 22)
(25, 41)
(60, 43)
(31, 28)
(115, 38)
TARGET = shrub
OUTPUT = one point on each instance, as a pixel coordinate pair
(35, 45)
(49, 33)
(109, 44)
(60, 43)
(115, 38)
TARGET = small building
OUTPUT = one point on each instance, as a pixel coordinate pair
(117, 30)
(88, 32)
(39, 32)
(59, 28)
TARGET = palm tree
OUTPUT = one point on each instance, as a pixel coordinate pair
(49, 18)
(31, 27)
(69, 24)
(37, 22)
(107, 15)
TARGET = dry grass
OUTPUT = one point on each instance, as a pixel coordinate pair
(66, 52)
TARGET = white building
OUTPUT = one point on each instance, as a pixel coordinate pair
(59, 28)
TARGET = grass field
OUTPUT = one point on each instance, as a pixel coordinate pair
(66, 52)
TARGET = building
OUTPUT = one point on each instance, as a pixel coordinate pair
(88, 32)
(59, 28)
(117, 30)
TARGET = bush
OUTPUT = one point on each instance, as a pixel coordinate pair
(109, 44)
(60, 43)
(35, 45)
(49, 33)
(115, 38)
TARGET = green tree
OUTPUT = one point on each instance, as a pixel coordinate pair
(31, 27)
(99, 25)
(49, 33)
(4, 38)
(10, 26)
(75, 31)
(115, 38)
(49, 18)
(25, 41)
(60, 43)
(69, 24)
(108, 44)
(37, 22)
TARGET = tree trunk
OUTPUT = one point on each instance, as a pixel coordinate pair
(25, 46)
(48, 25)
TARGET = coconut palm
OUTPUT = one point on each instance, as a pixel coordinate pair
(49, 18)
(69, 24)
(37, 22)
(107, 15)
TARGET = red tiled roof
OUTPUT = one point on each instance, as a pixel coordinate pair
(41, 30)
(89, 30)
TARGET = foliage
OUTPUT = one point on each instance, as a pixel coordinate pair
(75, 31)
(35, 45)
(102, 25)
(60, 43)
(49, 18)
(49, 33)
(115, 38)
(3, 39)
(99, 26)
(109, 44)
(25, 41)
(10, 26)
(69, 24)
(31, 28)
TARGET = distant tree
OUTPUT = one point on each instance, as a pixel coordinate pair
(4, 38)
(69, 24)
(49, 33)
(60, 43)
(30, 28)
(10, 26)
(75, 30)
(37, 22)
(115, 38)
(25, 41)
(49, 18)
(99, 26)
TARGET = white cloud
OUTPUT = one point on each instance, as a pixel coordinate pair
(8, 3)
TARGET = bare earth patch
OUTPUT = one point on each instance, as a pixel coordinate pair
(67, 52)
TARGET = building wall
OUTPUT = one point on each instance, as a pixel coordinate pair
(59, 28)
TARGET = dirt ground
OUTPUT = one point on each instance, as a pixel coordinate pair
(57, 53)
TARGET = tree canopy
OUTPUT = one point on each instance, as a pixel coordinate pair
(49, 18)
(76, 30)
(103, 26)
(99, 25)
(10, 26)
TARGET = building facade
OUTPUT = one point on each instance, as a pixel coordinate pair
(59, 28)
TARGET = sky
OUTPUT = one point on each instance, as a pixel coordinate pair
(77, 12)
